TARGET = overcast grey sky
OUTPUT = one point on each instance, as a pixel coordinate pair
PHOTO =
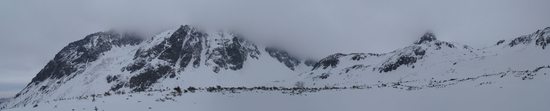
(32, 31)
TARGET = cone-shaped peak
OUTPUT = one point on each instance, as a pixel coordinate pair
(427, 37)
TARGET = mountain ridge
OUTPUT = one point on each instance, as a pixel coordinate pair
(110, 62)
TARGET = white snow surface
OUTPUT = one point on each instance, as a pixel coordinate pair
(502, 95)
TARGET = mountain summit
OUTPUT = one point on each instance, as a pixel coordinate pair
(427, 37)
(116, 62)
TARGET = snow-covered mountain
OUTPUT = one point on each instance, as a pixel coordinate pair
(114, 62)
(107, 63)
(428, 60)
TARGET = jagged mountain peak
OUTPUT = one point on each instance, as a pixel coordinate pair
(80, 52)
(427, 37)
(429, 41)
(539, 38)
(426, 46)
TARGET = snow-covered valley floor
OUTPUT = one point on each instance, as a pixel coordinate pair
(488, 93)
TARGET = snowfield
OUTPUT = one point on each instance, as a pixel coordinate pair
(506, 94)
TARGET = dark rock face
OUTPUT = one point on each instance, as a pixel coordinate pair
(186, 44)
(173, 49)
(356, 67)
(324, 76)
(543, 42)
(403, 59)
(112, 78)
(439, 44)
(77, 54)
(142, 81)
(182, 47)
(357, 57)
(500, 42)
(520, 40)
(427, 37)
(233, 53)
(283, 57)
(419, 52)
(331, 61)
(540, 37)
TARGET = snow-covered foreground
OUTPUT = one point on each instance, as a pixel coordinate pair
(484, 94)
